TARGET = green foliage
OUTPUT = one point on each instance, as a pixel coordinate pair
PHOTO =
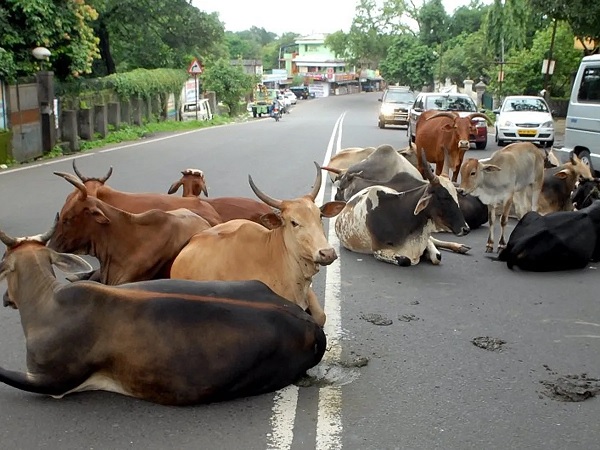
(230, 83)
(506, 25)
(523, 73)
(409, 63)
(467, 19)
(62, 26)
(146, 83)
(433, 23)
(468, 57)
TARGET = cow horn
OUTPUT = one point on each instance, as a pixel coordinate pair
(332, 170)
(44, 238)
(317, 185)
(78, 173)
(7, 240)
(443, 114)
(264, 197)
(107, 176)
(487, 119)
(572, 157)
(75, 182)
(427, 169)
(446, 167)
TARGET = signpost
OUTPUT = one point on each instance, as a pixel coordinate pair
(195, 69)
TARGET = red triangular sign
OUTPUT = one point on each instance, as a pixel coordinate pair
(195, 67)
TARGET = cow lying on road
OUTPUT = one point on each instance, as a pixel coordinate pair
(284, 257)
(129, 247)
(563, 240)
(172, 342)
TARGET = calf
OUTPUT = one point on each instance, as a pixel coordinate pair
(516, 167)
(171, 342)
(562, 240)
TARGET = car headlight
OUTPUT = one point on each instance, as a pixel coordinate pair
(507, 123)
(387, 109)
(549, 124)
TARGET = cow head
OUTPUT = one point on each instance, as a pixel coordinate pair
(299, 222)
(444, 211)
(91, 183)
(472, 174)
(193, 183)
(460, 126)
(586, 193)
(77, 220)
(21, 258)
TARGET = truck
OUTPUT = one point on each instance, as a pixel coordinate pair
(262, 99)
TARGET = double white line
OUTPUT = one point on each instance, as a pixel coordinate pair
(329, 419)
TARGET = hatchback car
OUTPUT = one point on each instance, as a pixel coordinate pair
(524, 118)
(395, 104)
(460, 103)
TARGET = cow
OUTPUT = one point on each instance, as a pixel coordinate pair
(564, 240)
(172, 342)
(193, 183)
(437, 130)
(395, 226)
(559, 184)
(586, 192)
(285, 257)
(516, 167)
(228, 208)
(130, 247)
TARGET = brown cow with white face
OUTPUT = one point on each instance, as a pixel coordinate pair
(285, 257)
(193, 183)
(130, 247)
(437, 130)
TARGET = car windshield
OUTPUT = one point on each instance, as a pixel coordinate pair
(524, 104)
(399, 97)
(450, 103)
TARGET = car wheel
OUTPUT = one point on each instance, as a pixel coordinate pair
(500, 142)
(381, 124)
(481, 145)
(585, 157)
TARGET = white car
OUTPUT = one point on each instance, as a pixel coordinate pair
(524, 118)
(291, 96)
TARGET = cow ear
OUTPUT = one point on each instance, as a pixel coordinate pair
(562, 174)
(332, 209)
(491, 168)
(70, 263)
(422, 203)
(271, 221)
(447, 127)
(99, 216)
(5, 268)
(174, 187)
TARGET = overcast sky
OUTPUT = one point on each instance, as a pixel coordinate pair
(299, 17)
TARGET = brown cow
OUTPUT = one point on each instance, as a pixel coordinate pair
(285, 257)
(229, 208)
(129, 247)
(436, 130)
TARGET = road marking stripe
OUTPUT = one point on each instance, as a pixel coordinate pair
(285, 402)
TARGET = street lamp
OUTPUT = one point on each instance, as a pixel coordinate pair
(45, 82)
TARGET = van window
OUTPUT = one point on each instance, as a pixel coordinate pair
(589, 91)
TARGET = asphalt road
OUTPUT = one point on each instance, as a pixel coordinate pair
(425, 385)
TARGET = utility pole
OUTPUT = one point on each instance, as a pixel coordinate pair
(501, 74)
(547, 74)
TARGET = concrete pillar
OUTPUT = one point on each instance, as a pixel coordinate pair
(148, 109)
(157, 112)
(480, 90)
(125, 112)
(68, 126)
(114, 114)
(100, 120)
(136, 111)
(85, 123)
(45, 88)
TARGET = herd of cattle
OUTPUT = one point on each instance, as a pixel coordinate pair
(249, 322)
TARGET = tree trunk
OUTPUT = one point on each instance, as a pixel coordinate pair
(104, 45)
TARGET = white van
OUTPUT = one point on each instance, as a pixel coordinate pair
(582, 127)
(203, 110)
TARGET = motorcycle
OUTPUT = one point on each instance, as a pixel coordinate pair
(276, 112)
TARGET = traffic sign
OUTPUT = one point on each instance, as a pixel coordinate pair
(195, 68)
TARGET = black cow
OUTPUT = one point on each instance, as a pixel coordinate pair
(395, 225)
(586, 192)
(172, 342)
(563, 240)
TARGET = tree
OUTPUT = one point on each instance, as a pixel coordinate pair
(506, 26)
(62, 26)
(230, 83)
(408, 62)
(468, 57)
(467, 19)
(433, 23)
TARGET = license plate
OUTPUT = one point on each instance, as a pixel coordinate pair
(527, 132)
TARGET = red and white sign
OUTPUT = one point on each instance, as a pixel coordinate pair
(195, 68)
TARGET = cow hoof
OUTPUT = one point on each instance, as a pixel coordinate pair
(463, 249)
(489, 249)
(500, 248)
(402, 261)
(438, 256)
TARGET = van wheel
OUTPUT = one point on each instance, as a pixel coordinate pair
(585, 157)
(381, 124)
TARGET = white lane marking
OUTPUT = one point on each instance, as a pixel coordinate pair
(285, 402)
(329, 419)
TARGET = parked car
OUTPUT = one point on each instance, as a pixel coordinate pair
(202, 111)
(582, 127)
(524, 118)
(300, 92)
(463, 104)
(395, 103)
(291, 96)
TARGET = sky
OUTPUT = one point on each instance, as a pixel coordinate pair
(303, 18)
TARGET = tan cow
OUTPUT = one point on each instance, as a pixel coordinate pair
(285, 257)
